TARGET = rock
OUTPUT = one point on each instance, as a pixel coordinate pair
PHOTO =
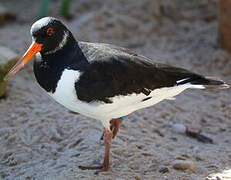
(5, 15)
(180, 158)
(7, 59)
(138, 178)
(184, 165)
(179, 128)
(164, 170)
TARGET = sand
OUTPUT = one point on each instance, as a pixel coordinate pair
(40, 139)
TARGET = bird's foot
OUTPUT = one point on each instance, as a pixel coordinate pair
(99, 167)
(107, 142)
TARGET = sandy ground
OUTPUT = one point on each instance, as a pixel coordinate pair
(40, 139)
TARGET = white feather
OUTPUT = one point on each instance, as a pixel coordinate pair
(41, 23)
(181, 80)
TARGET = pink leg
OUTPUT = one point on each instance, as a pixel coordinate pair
(115, 124)
(107, 142)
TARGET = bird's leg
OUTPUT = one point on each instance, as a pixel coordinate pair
(107, 142)
(114, 126)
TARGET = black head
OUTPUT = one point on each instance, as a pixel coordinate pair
(48, 36)
(51, 33)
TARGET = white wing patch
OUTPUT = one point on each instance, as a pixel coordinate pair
(189, 85)
(181, 80)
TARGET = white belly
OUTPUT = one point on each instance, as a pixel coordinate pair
(65, 94)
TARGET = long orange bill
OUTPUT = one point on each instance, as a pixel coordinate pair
(32, 50)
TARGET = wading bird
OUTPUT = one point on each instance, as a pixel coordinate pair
(102, 81)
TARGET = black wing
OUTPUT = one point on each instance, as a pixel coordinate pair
(117, 72)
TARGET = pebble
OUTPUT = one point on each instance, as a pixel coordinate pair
(164, 170)
(5, 15)
(180, 158)
(184, 165)
(178, 128)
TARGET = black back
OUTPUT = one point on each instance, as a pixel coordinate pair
(120, 72)
(106, 71)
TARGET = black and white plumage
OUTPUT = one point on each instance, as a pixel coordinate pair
(103, 81)
(106, 82)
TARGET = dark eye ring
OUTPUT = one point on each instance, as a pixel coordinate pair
(50, 31)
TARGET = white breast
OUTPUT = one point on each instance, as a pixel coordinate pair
(66, 95)
(65, 92)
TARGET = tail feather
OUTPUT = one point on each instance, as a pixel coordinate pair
(210, 83)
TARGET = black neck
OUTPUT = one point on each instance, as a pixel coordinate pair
(49, 68)
(69, 56)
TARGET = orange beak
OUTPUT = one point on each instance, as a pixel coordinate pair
(32, 50)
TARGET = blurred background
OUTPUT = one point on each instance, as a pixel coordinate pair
(40, 139)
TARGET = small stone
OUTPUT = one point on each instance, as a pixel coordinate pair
(7, 59)
(169, 147)
(5, 15)
(199, 158)
(184, 165)
(164, 170)
(180, 158)
(147, 154)
(179, 128)
(137, 178)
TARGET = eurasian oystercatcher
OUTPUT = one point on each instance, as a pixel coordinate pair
(102, 81)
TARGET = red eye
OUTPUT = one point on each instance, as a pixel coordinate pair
(50, 31)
